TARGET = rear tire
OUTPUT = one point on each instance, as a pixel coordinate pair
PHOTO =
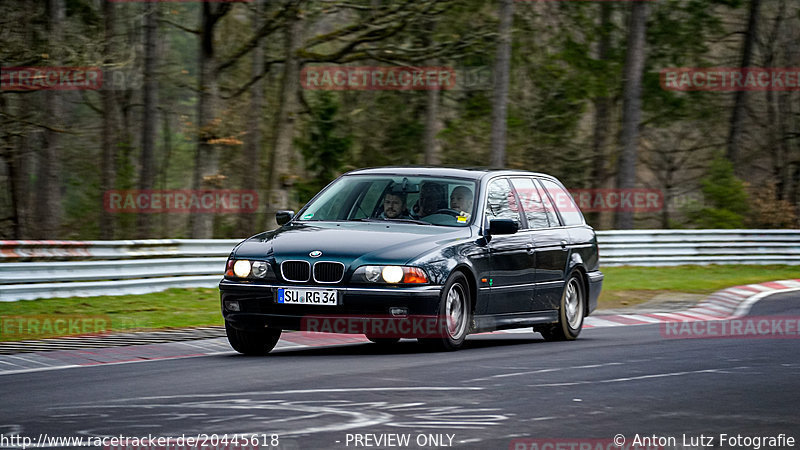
(571, 311)
(455, 309)
(255, 343)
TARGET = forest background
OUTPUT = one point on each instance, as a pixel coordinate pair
(215, 96)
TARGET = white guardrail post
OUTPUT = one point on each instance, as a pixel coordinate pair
(48, 269)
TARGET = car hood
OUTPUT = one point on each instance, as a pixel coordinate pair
(350, 242)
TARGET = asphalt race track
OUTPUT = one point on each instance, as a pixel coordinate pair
(628, 380)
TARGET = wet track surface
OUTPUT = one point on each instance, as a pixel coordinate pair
(620, 380)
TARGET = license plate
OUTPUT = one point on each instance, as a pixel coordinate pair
(322, 297)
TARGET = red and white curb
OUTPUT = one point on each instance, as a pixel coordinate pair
(726, 304)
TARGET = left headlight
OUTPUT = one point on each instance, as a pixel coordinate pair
(390, 275)
(244, 268)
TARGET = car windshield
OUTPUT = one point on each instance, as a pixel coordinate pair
(420, 200)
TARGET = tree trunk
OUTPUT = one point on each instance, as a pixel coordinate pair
(11, 156)
(781, 147)
(602, 120)
(144, 222)
(737, 118)
(21, 187)
(252, 144)
(207, 155)
(632, 106)
(502, 68)
(280, 179)
(433, 148)
(49, 211)
(108, 151)
(163, 170)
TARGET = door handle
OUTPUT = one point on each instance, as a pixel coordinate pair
(531, 249)
(563, 245)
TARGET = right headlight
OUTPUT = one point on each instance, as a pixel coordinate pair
(244, 268)
(390, 275)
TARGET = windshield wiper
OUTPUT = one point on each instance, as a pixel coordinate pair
(370, 219)
(420, 222)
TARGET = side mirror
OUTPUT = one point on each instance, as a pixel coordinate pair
(502, 226)
(283, 217)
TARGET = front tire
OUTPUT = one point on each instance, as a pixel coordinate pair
(454, 315)
(254, 343)
(571, 311)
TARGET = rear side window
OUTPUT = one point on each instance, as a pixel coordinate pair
(501, 203)
(531, 203)
(564, 203)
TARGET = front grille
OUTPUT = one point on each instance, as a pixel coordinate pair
(328, 272)
(299, 271)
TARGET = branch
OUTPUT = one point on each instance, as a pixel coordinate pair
(274, 23)
(39, 125)
(179, 26)
(384, 18)
(254, 80)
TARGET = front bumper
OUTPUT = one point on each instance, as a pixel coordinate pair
(258, 307)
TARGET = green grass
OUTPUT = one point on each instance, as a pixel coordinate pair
(624, 286)
(179, 308)
(173, 308)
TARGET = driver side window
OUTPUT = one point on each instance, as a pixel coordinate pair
(501, 203)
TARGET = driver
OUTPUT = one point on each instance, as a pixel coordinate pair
(394, 206)
(461, 200)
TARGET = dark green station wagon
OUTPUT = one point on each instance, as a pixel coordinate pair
(427, 253)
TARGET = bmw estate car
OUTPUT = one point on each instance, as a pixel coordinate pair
(428, 253)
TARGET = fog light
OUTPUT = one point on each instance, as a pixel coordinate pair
(232, 306)
(398, 312)
(242, 268)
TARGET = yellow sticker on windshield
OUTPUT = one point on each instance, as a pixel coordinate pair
(461, 219)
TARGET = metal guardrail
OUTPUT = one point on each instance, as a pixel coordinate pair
(82, 250)
(680, 247)
(48, 269)
(54, 269)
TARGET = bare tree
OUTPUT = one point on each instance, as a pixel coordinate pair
(207, 155)
(740, 102)
(48, 209)
(602, 114)
(252, 144)
(149, 113)
(108, 139)
(280, 178)
(502, 68)
(632, 105)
